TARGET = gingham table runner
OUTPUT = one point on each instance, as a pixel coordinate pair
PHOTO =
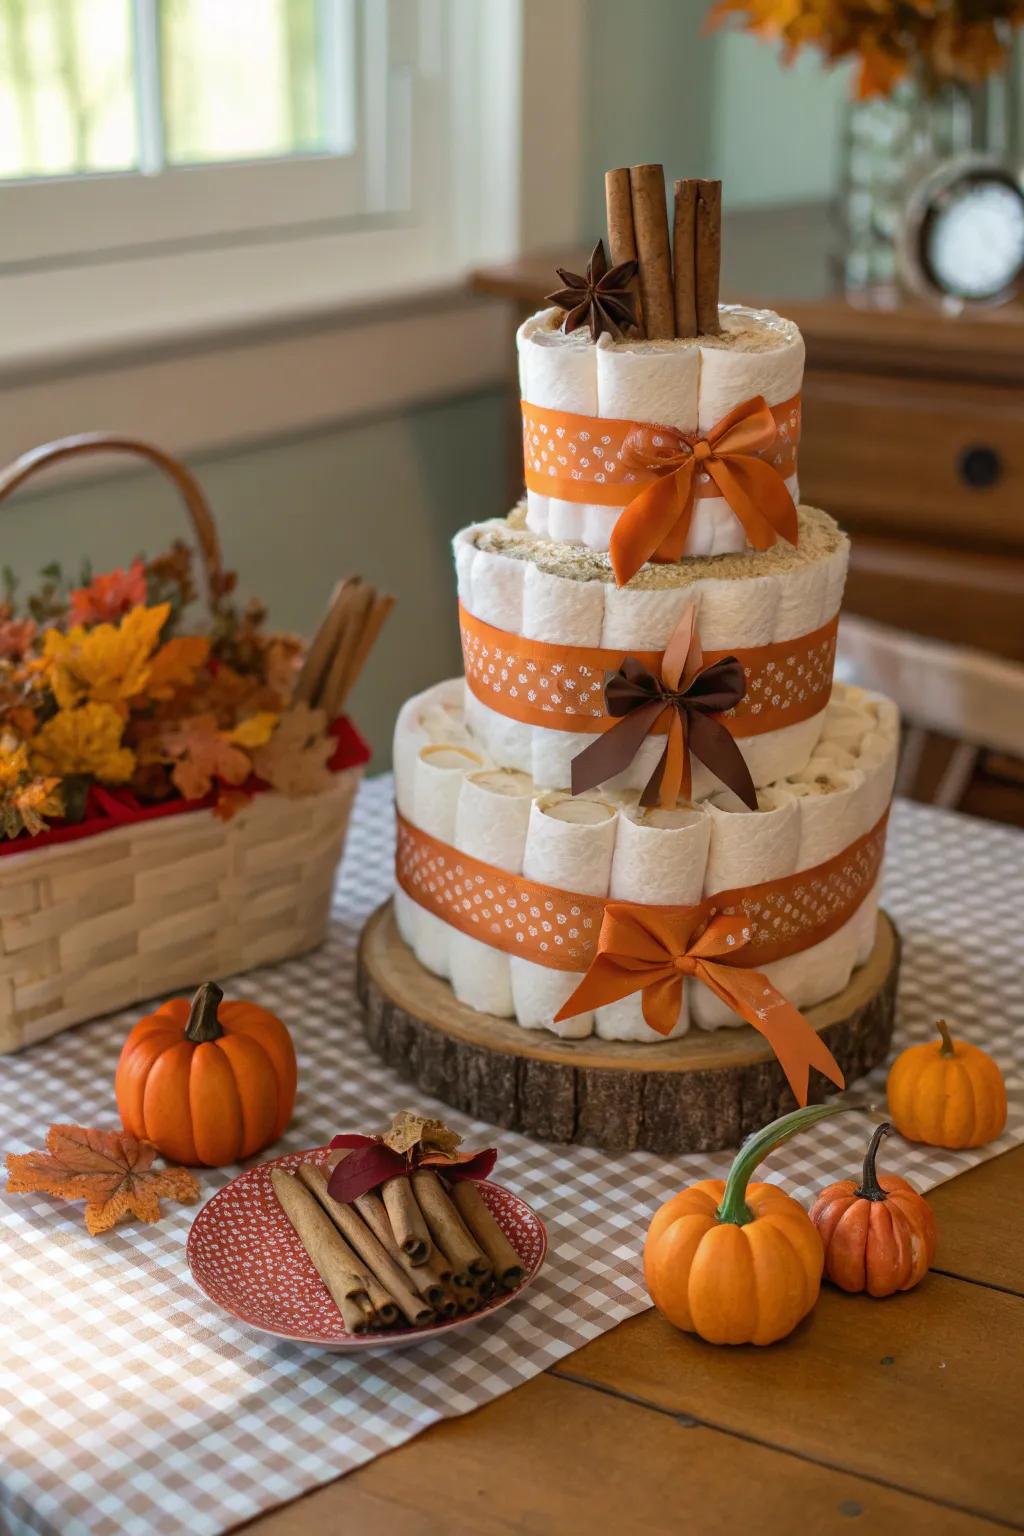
(130, 1404)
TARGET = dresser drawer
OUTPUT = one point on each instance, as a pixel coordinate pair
(918, 457)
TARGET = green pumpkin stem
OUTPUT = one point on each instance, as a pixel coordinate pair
(946, 1048)
(203, 1024)
(870, 1189)
(755, 1149)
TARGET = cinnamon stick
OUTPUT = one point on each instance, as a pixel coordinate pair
(621, 233)
(381, 605)
(475, 1212)
(424, 1278)
(467, 1259)
(684, 258)
(650, 223)
(709, 256)
(369, 1249)
(331, 1257)
(467, 1298)
(411, 1231)
(322, 647)
(357, 600)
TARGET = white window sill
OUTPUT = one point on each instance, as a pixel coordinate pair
(236, 379)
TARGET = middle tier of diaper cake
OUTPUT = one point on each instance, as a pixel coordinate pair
(544, 624)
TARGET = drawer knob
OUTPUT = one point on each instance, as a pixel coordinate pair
(980, 467)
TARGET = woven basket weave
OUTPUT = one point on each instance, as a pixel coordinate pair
(94, 925)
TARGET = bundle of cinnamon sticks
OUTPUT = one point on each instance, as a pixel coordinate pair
(678, 279)
(419, 1250)
(340, 647)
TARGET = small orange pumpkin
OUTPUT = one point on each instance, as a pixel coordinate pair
(735, 1262)
(947, 1093)
(209, 1082)
(879, 1236)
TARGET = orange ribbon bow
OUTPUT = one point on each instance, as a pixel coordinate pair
(653, 949)
(655, 524)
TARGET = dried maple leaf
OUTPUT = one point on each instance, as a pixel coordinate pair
(175, 665)
(295, 758)
(110, 1171)
(201, 753)
(409, 1130)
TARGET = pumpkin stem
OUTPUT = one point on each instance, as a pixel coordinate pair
(203, 1023)
(946, 1048)
(870, 1189)
(755, 1149)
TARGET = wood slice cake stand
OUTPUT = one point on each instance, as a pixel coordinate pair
(699, 1093)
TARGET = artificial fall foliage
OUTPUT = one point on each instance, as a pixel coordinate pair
(938, 41)
(110, 1171)
(412, 1141)
(101, 685)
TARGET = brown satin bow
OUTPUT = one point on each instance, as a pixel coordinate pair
(652, 950)
(656, 523)
(691, 695)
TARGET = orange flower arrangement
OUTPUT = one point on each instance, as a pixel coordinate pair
(98, 687)
(942, 41)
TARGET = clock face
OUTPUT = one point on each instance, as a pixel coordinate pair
(972, 242)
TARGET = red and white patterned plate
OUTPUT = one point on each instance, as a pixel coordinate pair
(243, 1252)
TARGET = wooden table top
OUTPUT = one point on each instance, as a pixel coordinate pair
(903, 1414)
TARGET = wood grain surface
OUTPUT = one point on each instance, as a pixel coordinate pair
(900, 1415)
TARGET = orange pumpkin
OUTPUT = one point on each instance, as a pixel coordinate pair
(735, 1262)
(208, 1082)
(947, 1093)
(879, 1236)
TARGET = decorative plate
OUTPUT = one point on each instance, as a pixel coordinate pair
(243, 1252)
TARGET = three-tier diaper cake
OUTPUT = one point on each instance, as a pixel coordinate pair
(640, 841)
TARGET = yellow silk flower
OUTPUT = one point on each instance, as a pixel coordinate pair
(84, 740)
(108, 664)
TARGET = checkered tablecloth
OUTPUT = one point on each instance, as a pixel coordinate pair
(129, 1404)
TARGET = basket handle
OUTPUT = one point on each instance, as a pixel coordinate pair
(109, 442)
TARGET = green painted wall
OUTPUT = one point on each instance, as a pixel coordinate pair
(378, 498)
(718, 104)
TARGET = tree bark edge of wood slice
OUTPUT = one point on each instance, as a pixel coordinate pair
(700, 1093)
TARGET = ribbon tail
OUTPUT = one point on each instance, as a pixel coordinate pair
(666, 783)
(758, 496)
(614, 750)
(661, 1003)
(606, 982)
(713, 746)
(657, 517)
(797, 1046)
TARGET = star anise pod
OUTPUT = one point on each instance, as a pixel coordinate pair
(602, 299)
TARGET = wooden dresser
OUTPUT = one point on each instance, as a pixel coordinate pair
(913, 432)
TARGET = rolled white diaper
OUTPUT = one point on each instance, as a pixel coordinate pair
(832, 813)
(491, 818)
(748, 847)
(660, 856)
(569, 844)
(559, 372)
(733, 373)
(560, 611)
(438, 778)
(655, 382)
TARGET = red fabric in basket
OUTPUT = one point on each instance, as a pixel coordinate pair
(110, 808)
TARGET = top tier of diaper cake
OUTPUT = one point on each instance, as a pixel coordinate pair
(659, 424)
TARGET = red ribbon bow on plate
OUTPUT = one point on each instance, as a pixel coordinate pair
(656, 523)
(692, 696)
(652, 950)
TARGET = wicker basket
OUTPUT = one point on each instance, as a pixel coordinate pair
(96, 924)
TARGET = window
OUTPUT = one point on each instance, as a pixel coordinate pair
(177, 168)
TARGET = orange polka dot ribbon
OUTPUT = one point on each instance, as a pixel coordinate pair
(656, 473)
(630, 946)
(720, 941)
(562, 687)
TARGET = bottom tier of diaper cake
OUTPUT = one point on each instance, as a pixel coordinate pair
(502, 884)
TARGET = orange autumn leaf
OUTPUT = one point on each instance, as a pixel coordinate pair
(110, 1171)
(295, 758)
(175, 665)
(201, 753)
